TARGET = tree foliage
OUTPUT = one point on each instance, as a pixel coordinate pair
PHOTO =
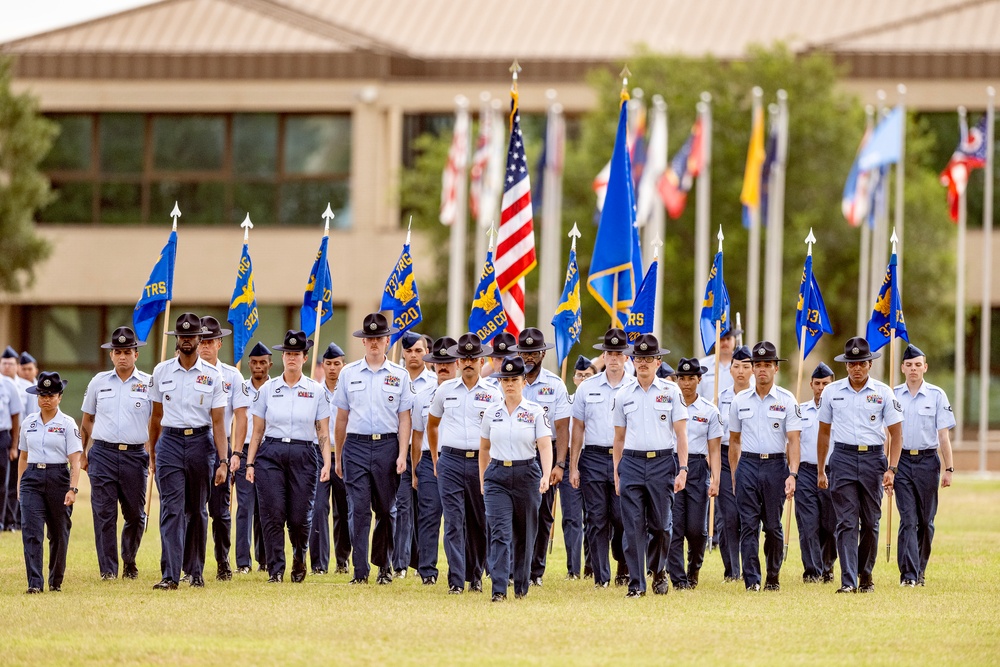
(25, 138)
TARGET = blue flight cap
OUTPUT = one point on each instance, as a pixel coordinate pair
(822, 371)
(259, 350)
(333, 351)
(582, 363)
(911, 352)
(26, 358)
(9, 353)
(409, 339)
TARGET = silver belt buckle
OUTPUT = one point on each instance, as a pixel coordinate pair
(377, 436)
(286, 439)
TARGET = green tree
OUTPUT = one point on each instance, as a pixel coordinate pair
(825, 126)
(25, 138)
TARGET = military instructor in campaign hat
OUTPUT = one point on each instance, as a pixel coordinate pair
(372, 437)
(854, 413)
(115, 427)
(188, 411)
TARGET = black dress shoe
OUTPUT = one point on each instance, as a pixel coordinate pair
(536, 581)
(520, 596)
(260, 567)
(429, 581)
(828, 578)
(476, 586)
(621, 580)
(197, 581)
(601, 584)
(772, 586)
(246, 569)
(693, 579)
(55, 589)
(186, 579)
(497, 597)
(661, 584)
(131, 571)
(866, 588)
(399, 574)
(455, 590)
(384, 577)
(108, 576)
(572, 576)
(298, 572)
(588, 573)
(810, 579)
(753, 588)
(319, 572)
(730, 580)
(33, 591)
(847, 589)
(225, 573)
(342, 569)
(635, 594)
(921, 581)
(357, 581)
(276, 578)
(165, 585)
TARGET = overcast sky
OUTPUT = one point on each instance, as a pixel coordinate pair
(20, 18)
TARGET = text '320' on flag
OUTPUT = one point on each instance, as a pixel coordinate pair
(243, 313)
(400, 295)
(888, 311)
(567, 320)
(612, 279)
(640, 319)
(319, 292)
(157, 291)
(715, 307)
(487, 318)
(810, 311)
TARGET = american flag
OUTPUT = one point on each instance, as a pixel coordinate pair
(515, 256)
(451, 177)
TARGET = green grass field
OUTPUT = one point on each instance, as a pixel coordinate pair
(954, 620)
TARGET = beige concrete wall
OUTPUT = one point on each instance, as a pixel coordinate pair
(974, 267)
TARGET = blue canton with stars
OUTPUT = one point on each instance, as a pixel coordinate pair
(517, 167)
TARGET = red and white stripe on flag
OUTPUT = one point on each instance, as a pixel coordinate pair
(451, 177)
(515, 256)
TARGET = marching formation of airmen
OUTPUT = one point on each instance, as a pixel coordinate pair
(483, 438)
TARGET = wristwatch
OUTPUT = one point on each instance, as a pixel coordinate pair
(894, 469)
(949, 470)
(794, 475)
(684, 468)
(561, 464)
(249, 465)
(74, 489)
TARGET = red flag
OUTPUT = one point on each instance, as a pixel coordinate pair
(970, 154)
(677, 180)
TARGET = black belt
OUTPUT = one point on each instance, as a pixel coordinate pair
(373, 438)
(289, 441)
(461, 453)
(930, 451)
(861, 449)
(509, 464)
(598, 449)
(120, 446)
(170, 430)
(651, 454)
(696, 456)
(43, 466)
(763, 457)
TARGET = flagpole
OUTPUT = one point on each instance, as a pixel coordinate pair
(483, 216)
(456, 252)
(810, 240)
(718, 335)
(659, 216)
(880, 237)
(959, 404)
(703, 211)
(753, 261)
(548, 278)
(774, 252)
(328, 215)
(864, 262)
(894, 239)
(900, 182)
(985, 319)
(395, 353)
(175, 213)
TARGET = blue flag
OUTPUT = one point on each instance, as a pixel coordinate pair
(612, 279)
(157, 291)
(488, 318)
(243, 306)
(886, 143)
(810, 311)
(400, 295)
(567, 321)
(319, 290)
(888, 312)
(715, 307)
(640, 320)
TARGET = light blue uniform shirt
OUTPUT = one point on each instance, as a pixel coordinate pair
(927, 412)
(49, 442)
(549, 392)
(764, 422)
(810, 434)
(375, 397)
(121, 409)
(232, 385)
(419, 412)
(188, 397)
(513, 436)
(424, 380)
(703, 425)
(291, 412)
(461, 411)
(707, 385)
(251, 393)
(592, 405)
(726, 397)
(29, 402)
(649, 415)
(10, 403)
(859, 417)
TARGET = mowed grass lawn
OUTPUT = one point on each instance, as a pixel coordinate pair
(954, 620)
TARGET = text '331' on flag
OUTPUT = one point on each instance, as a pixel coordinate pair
(715, 307)
(888, 311)
(567, 319)
(487, 317)
(318, 293)
(157, 291)
(400, 295)
(243, 313)
(810, 311)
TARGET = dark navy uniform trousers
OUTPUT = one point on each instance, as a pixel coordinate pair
(428, 526)
(916, 490)
(512, 506)
(647, 495)
(285, 474)
(604, 510)
(222, 522)
(404, 521)
(249, 534)
(690, 522)
(727, 515)
(10, 517)
(571, 504)
(372, 481)
(117, 475)
(330, 495)
(43, 492)
(760, 493)
(184, 476)
(546, 517)
(817, 523)
(465, 531)
(856, 484)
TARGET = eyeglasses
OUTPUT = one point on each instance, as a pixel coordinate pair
(645, 360)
